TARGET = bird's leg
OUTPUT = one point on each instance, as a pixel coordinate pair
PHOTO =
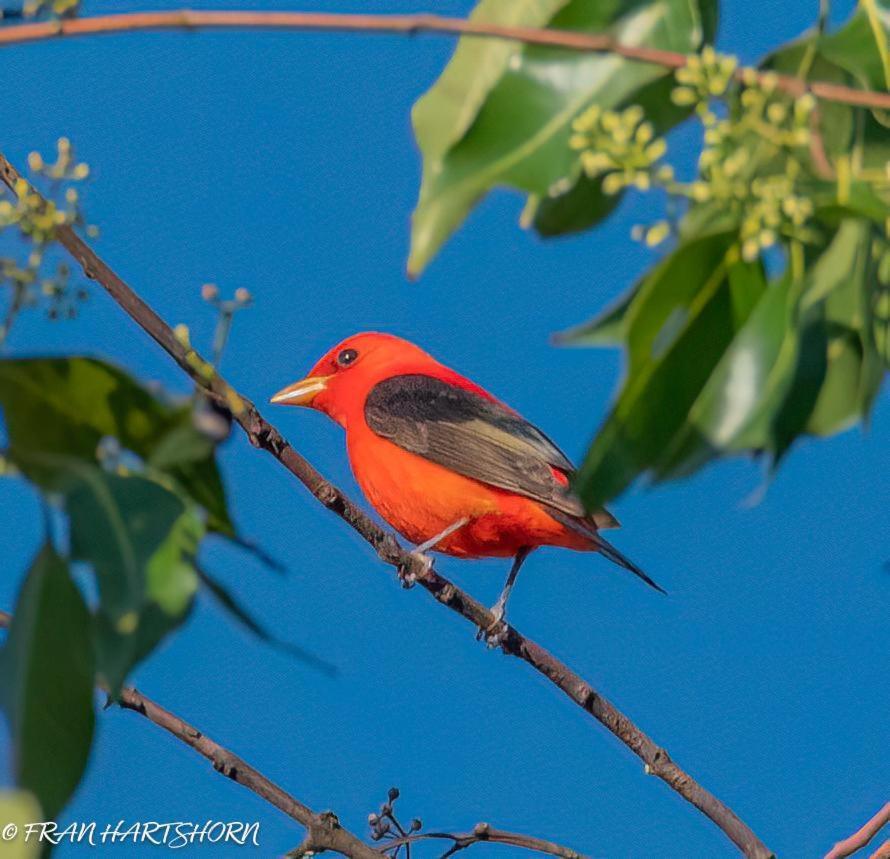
(424, 547)
(408, 579)
(496, 631)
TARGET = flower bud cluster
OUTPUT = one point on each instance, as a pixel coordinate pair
(619, 146)
(38, 279)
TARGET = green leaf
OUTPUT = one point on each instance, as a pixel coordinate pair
(720, 363)
(608, 328)
(677, 346)
(519, 134)
(559, 213)
(47, 684)
(141, 540)
(67, 406)
(443, 114)
(735, 406)
(19, 807)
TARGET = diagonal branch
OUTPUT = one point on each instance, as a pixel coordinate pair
(188, 19)
(263, 435)
(860, 838)
(323, 829)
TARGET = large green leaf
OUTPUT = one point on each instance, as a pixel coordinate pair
(442, 116)
(657, 306)
(47, 684)
(67, 406)
(720, 363)
(676, 347)
(746, 385)
(519, 135)
(141, 540)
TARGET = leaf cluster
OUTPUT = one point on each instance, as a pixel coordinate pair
(767, 317)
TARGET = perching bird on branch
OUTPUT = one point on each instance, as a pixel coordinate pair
(451, 468)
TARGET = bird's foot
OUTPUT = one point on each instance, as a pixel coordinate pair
(495, 634)
(408, 578)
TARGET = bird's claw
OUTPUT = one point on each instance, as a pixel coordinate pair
(495, 634)
(407, 578)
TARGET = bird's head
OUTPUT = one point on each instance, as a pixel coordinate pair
(342, 378)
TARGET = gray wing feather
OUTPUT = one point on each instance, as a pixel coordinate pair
(475, 437)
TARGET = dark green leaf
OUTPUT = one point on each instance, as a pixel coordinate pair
(609, 328)
(47, 683)
(66, 406)
(518, 135)
(559, 213)
(141, 540)
(746, 386)
(677, 346)
(721, 363)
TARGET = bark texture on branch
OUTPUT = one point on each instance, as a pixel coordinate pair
(263, 435)
(323, 829)
(189, 19)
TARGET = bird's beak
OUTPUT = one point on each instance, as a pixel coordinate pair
(301, 393)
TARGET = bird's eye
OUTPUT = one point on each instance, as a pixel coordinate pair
(347, 357)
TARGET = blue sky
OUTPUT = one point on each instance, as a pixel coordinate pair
(285, 163)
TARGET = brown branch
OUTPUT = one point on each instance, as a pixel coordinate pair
(187, 19)
(324, 831)
(483, 832)
(262, 434)
(859, 839)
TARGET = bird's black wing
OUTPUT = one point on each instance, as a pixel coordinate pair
(475, 437)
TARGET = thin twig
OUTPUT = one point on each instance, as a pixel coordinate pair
(859, 839)
(187, 19)
(16, 302)
(483, 832)
(818, 154)
(410, 567)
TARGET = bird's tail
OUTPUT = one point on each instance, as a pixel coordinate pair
(588, 529)
(607, 550)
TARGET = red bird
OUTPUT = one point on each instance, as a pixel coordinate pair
(450, 467)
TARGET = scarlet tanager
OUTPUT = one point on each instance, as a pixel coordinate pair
(450, 467)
